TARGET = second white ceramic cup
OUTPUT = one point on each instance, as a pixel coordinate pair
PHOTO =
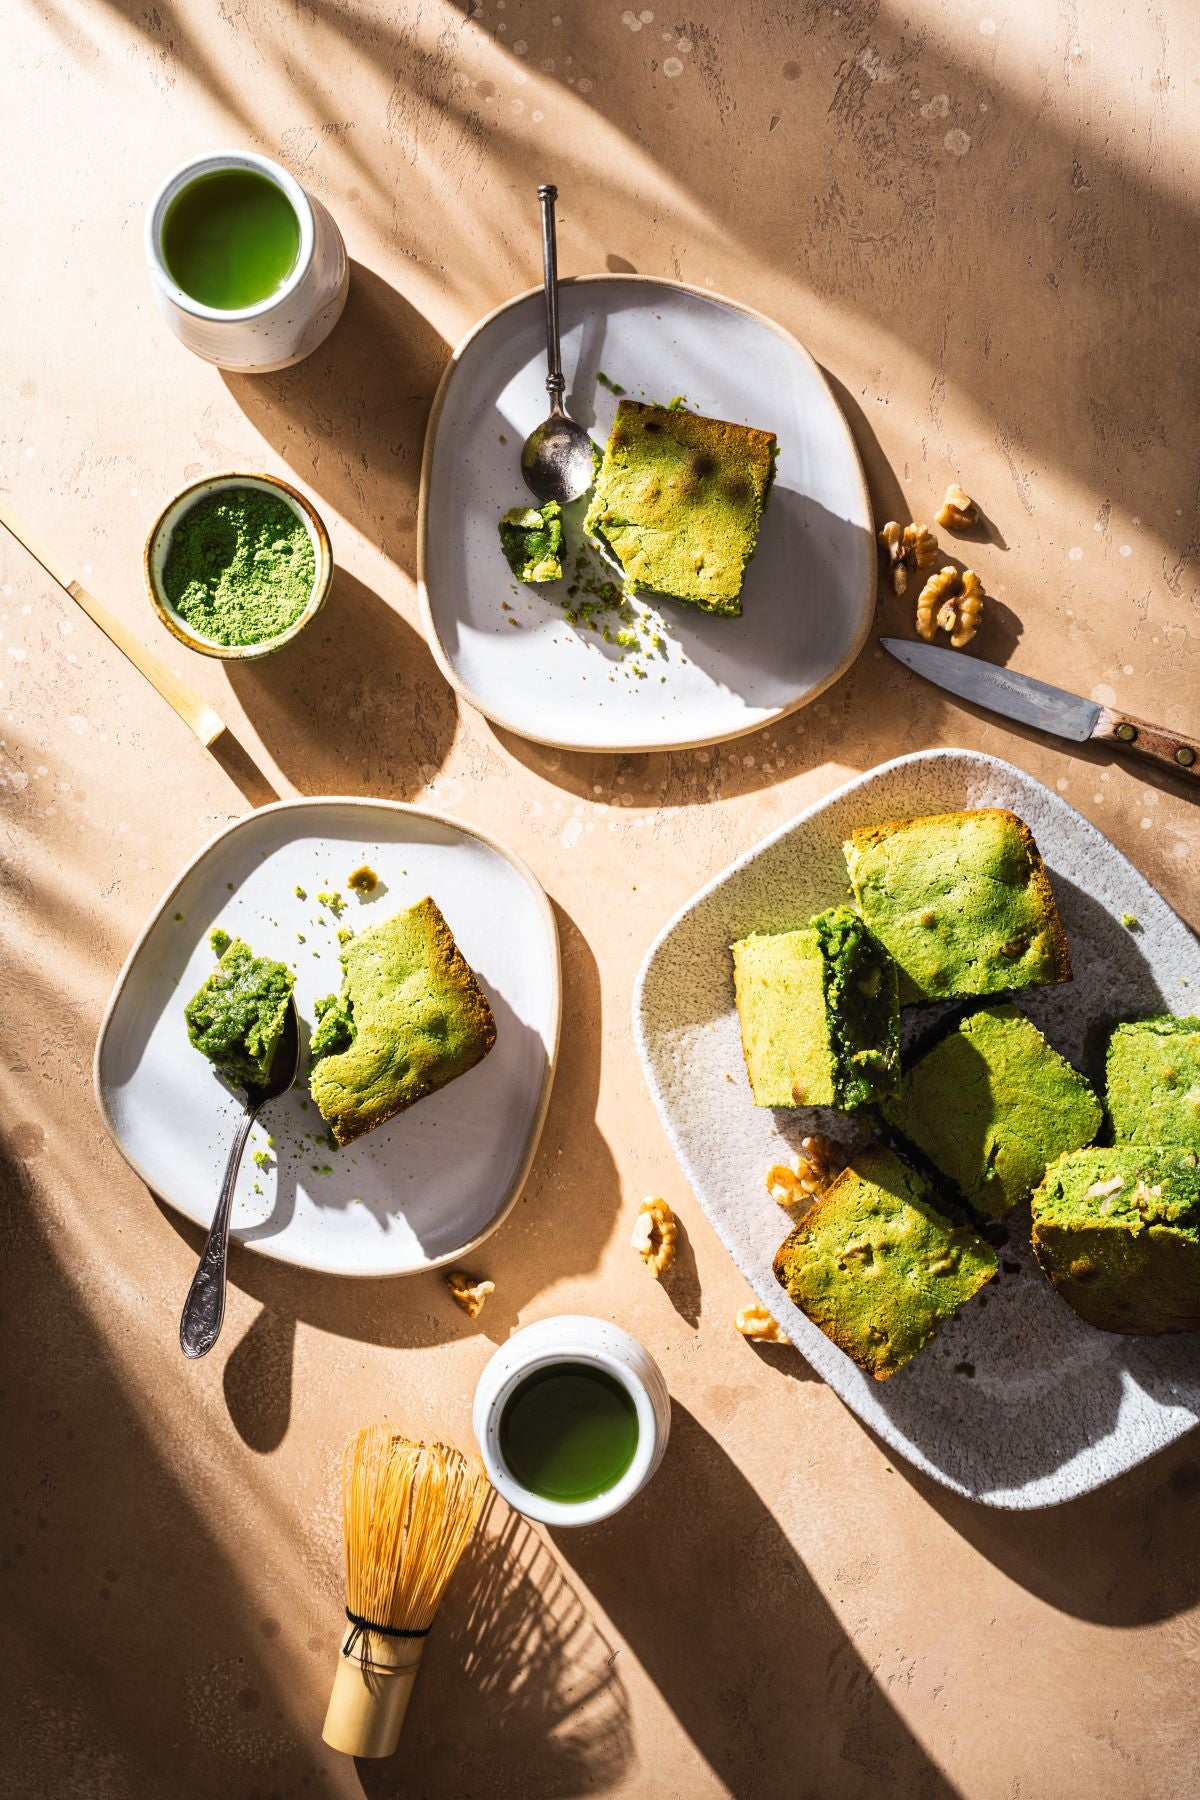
(574, 1338)
(285, 327)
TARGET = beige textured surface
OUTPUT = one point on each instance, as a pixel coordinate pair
(978, 219)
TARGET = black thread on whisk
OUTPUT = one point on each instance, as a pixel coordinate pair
(362, 1625)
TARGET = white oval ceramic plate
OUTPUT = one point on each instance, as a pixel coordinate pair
(430, 1184)
(1016, 1402)
(810, 589)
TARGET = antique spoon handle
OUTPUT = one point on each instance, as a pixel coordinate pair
(204, 1308)
(555, 383)
(196, 713)
(1154, 742)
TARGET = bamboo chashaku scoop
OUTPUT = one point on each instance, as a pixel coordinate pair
(408, 1512)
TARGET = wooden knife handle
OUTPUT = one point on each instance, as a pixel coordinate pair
(1154, 742)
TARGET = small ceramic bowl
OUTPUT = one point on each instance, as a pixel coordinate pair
(578, 1339)
(159, 542)
(289, 324)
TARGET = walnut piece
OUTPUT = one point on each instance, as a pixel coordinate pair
(820, 1159)
(952, 603)
(907, 547)
(1100, 1190)
(958, 511)
(757, 1323)
(469, 1293)
(655, 1235)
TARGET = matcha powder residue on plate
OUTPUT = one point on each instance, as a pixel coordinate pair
(240, 566)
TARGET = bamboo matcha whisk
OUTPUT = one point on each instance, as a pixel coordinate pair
(408, 1511)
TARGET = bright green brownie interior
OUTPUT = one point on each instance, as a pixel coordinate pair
(1118, 1232)
(410, 1017)
(237, 1017)
(531, 539)
(991, 1105)
(877, 1266)
(819, 1014)
(678, 502)
(962, 901)
(1154, 1082)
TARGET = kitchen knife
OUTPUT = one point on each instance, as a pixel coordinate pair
(1046, 708)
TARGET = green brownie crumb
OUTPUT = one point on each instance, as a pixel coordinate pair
(531, 538)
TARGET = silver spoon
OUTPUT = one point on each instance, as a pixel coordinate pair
(204, 1308)
(556, 458)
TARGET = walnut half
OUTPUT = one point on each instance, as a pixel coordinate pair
(952, 603)
(470, 1294)
(958, 511)
(757, 1323)
(907, 547)
(820, 1159)
(655, 1235)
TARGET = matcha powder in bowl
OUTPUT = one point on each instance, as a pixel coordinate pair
(232, 565)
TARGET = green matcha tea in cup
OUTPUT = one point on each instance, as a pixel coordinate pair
(572, 1417)
(248, 269)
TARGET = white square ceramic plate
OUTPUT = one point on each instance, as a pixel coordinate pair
(427, 1186)
(809, 595)
(1054, 1408)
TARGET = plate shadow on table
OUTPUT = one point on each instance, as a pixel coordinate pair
(515, 1669)
(557, 1229)
(1123, 1555)
(356, 705)
(751, 1658)
(349, 420)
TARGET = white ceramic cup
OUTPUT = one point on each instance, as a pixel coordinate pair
(573, 1338)
(285, 327)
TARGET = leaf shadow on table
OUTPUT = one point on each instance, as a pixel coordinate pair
(738, 1638)
(349, 420)
(515, 1667)
(357, 705)
(558, 1229)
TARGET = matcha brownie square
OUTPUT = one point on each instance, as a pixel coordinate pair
(991, 1105)
(819, 1015)
(1154, 1082)
(877, 1266)
(962, 901)
(410, 1017)
(678, 502)
(1118, 1233)
(237, 1017)
(531, 539)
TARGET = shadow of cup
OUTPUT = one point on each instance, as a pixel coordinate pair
(349, 421)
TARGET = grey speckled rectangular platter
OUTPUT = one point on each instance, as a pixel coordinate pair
(1055, 1408)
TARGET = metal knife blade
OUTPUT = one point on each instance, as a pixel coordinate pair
(1018, 697)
